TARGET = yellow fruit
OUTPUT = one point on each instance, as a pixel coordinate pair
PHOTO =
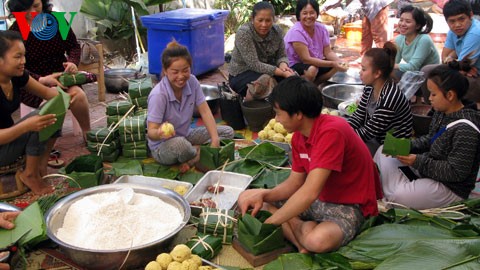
(288, 138)
(164, 259)
(334, 112)
(153, 265)
(279, 128)
(271, 133)
(182, 190)
(325, 111)
(263, 135)
(278, 137)
(180, 253)
(267, 128)
(167, 129)
(272, 122)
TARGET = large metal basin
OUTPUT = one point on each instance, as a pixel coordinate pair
(212, 95)
(337, 93)
(116, 79)
(112, 259)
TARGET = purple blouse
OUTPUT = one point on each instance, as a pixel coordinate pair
(314, 44)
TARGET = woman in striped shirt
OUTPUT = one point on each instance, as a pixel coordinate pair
(383, 106)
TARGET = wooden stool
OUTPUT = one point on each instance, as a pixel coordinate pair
(8, 172)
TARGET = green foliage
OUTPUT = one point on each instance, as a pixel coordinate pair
(114, 18)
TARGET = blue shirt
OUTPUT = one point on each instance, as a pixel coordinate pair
(164, 106)
(467, 43)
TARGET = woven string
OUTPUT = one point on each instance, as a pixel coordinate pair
(220, 222)
(201, 240)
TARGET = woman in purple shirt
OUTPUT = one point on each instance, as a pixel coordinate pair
(308, 45)
(172, 101)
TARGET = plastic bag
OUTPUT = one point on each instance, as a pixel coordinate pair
(411, 82)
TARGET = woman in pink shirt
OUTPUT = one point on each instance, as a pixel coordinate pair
(308, 45)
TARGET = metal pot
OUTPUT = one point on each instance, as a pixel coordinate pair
(138, 256)
(337, 93)
(116, 79)
(212, 95)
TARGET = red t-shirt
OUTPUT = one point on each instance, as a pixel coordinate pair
(334, 145)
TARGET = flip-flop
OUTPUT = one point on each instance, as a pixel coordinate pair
(56, 163)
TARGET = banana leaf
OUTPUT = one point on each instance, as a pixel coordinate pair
(382, 243)
(67, 79)
(132, 167)
(135, 153)
(113, 119)
(161, 171)
(246, 166)
(217, 222)
(118, 107)
(270, 178)
(258, 237)
(132, 129)
(395, 146)
(112, 157)
(265, 152)
(99, 135)
(135, 145)
(30, 228)
(212, 158)
(106, 148)
(87, 170)
(85, 163)
(191, 177)
(299, 261)
(140, 87)
(140, 102)
(57, 105)
(141, 112)
(205, 245)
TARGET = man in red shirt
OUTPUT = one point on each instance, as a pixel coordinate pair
(333, 185)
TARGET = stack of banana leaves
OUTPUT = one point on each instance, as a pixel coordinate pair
(444, 238)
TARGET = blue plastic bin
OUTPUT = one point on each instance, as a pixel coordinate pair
(200, 30)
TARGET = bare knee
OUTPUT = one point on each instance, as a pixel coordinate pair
(311, 73)
(322, 243)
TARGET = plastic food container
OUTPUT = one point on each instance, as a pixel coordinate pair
(154, 181)
(233, 183)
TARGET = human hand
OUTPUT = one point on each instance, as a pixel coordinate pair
(52, 80)
(4, 266)
(407, 160)
(251, 198)
(340, 66)
(7, 218)
(39, 122)
(215, 143)
(70, 67)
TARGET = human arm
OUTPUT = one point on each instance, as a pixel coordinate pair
(299, 201)
(358, 117)
(451, 156)
(210, 123)
(423, 49)
(256, 197)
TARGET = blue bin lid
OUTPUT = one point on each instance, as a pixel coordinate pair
(184, 16)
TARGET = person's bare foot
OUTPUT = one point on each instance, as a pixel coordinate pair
(38, 186)
(184, 167)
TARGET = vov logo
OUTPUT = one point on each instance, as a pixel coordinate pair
(44, 25)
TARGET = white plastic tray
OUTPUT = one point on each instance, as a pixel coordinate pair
(234, 184)
(154, 181)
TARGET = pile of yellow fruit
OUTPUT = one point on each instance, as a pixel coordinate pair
(275, 131)
(179, 258)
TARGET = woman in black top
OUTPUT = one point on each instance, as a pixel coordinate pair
(22, 138)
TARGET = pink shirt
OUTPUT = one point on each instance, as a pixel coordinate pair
(314, 44)
(335, 146)
(164, 106)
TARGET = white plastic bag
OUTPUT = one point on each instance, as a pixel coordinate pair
(411, 82)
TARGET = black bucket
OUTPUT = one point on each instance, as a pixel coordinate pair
(231, 111)
(257, 113)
